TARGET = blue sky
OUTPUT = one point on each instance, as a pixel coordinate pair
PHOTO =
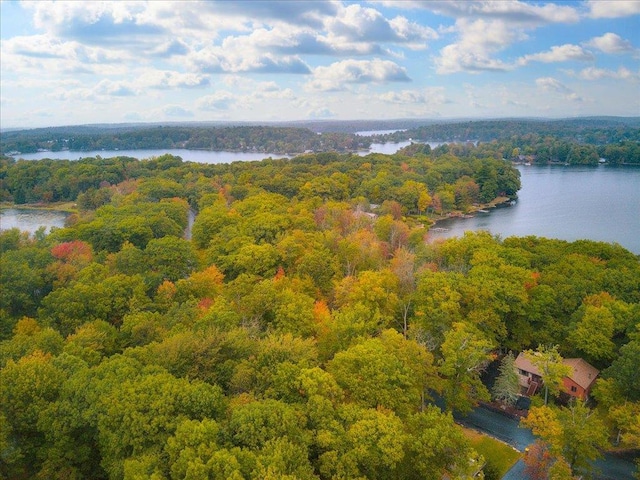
(68, 63)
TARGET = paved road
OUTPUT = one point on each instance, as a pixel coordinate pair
(499, 426)
(508, 430)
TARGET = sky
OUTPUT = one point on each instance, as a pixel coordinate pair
(73, 62)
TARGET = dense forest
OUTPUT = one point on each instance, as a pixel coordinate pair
(272, 139)
(595, 131)
(302, 330)
(574, 141)
(447, 179)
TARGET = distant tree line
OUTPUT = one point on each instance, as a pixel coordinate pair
(575, 141)
(594, 131)
(235, 138)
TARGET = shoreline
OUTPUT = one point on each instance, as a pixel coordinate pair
(66, 207)
(495, 203)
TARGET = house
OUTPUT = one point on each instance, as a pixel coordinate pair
(577, 384)
(529, 375)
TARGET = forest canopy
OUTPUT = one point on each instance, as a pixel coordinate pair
(301, 327)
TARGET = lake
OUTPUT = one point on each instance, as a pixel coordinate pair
(29, 220)
(570, 203)
(199, 156)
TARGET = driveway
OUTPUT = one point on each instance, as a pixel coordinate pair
(507, 430)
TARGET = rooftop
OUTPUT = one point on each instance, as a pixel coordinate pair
(583, 373)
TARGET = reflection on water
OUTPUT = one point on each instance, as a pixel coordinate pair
(30, 220)
(199, 156)
(569, 203)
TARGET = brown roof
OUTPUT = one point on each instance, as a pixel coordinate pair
(583, 373)
(523, 363)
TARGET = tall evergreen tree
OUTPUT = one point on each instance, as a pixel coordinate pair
(507, 387)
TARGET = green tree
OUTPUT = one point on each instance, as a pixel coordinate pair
(170, 258)
(138, 416)
(280, 458)
(594, 332)
(194, 452)
(625, 372)
(465, 354)
(437, 307)
(574, 434)
(375, 290)
(27, 387)
(388, 372)
(373, 444)
(552, 370)
(436, 448)
(254, 424)
(507, 385)
(28, 337)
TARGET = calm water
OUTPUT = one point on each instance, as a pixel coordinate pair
(570, 203)
(368, 133)
(386, 148)
(391, 148)
(200, 156)
(30, 220)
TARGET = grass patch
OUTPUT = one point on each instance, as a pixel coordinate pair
(70, 207)
(499, 456)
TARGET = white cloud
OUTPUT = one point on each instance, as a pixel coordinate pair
(166, 79)
(549, 84)
(237, 55)
(163, 52)
(309, 14)
(156, 79)
(474, 98)
(487, 28)
(322, 112)
(613, 9)
(622, 73)
(264, 92)
(337, 75)
(414, 34)
(357, 24)
(176, 111)
(511, 11)
(221, 100)
(114, 89)
(132, 117)
(175, 47)
(478, 41)
(561, 53)
(611, 43)
(428, 96)
(43, 52)
(102, 92)
(136, 24)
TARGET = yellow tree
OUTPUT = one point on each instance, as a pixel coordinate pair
(552, 370)
(574, 434)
